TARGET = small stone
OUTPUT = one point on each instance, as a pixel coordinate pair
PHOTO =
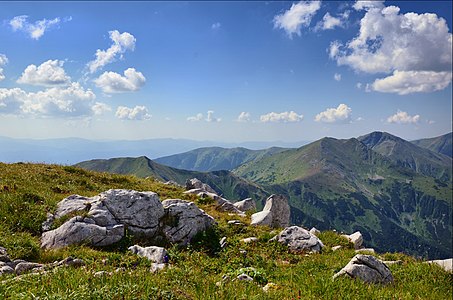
(23, 267)
(249, 240)
(365, 250)
(6, 270)
(335, 248)
(315, 231)
(156, 267)
(102, 274)
(270, 286)
(223, 242)
(244, 277)
(392, 262)
(152, 253)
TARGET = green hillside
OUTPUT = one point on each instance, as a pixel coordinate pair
(29, 191)
(343, 184)
(215, 158)
(225, 183)
(441, 144)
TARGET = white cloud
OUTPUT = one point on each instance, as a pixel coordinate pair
(136, 113)
(337, 77)
(34, 30)
(196, 118)
(358, 85)
(111, 82)
(299, 15)
(121, 43)
(3, 61)
(49, 73)
(390, 41)
(71, 101)
(329, 22)
(367, 5)
(281, 117)
(402, 117)
(341, 114)
(407, 82)
(210, 117)
(243, 117)
(216, 26)
(99, 108)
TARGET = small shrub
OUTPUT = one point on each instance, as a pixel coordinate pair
(207, 241)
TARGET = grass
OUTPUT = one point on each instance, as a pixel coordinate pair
(194, 270)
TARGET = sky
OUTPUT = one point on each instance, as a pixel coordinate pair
(225, 71)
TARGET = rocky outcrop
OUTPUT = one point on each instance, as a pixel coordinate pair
(299, 240)
(356, 238)
(366, 268)
(195, 183)
(103, 219)
(183, 220)
(245, 205)
(275, 213)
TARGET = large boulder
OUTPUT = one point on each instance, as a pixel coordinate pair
(195, 183)
(183, 220)
(366, 268)
(245, 205)
(299, 240)
(275, 213)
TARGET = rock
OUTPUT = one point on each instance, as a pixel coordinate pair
(174, 183)
(235, 222)
(183, 220)
(222, 204)
(223, 242)
(315, 231)
(392, 262)
(72, 262)
(153, 253)
(363, 250)
(244, 277)
(194, 191)
(445, 264)
(3, 251)
(80, 230)
(270, 287)
(195, 183)
(26, 266)
(366, 268)
(355, 238)
(245, 205)
(102, 274)
(275, 213)
(335, 248)
(298, 239)
(6, 270)
(249, 240)
(156, 267)
(4, 258)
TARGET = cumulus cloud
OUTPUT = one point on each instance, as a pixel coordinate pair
(298, 16)
(341, 114)
(414, 48)
(49, 73)
(407, 82)
(196, 118)
(3, 61)
(337, 77)
(111, 82)
(35, 30)
(210, 117)
(367, 5)
(136, 113)
(402, 117)
(243, 117)
(99, 108)
(329, 22)
(284, 117)
(216, 26)
(71, 101)
(121, 43)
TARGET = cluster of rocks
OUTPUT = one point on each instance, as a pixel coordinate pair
(19, 266)
(103, 219)
(275, 213)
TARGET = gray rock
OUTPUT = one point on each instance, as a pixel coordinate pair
(335, 248)
(194, 191)
(445, 264)
(355, 238)
(222, 204)
(26, 266)
(153, 253)
(195, 183)
(364, 250)
(156, 267)
(183, 220)
(4, 258)
(366, 268)
(249, 240)
(315, 231)
(80, 230)
(391, 262)
(275, 213)
(244, 277)
(6, 270)
(235, 222)
(223, 242)
(298, 239)
(3, 251)
(245, 205)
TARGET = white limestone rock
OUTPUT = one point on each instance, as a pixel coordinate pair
(368, 269)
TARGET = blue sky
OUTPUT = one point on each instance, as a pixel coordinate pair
(225, 71)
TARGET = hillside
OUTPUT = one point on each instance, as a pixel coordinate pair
(441, 144)
(29, 191)
(343, 184)
(224, 182)
(407, 154)
(215, 158)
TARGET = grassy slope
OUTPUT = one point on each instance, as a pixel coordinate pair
(441, 144)
(215, 158)
(33, 189)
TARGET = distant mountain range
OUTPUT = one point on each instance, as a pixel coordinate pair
(73, 150)
(399, 195)
(440, 144)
